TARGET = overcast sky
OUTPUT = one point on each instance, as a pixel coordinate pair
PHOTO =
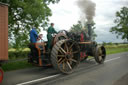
(66, 13)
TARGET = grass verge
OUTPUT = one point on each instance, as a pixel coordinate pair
(16, 65)
(116, 50)
(112, 49)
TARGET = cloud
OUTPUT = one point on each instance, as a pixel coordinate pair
(65, 14)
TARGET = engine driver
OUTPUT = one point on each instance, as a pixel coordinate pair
(50, 31)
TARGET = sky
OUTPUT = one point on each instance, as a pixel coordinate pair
(66, 13)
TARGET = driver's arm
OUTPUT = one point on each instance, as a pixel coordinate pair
(54, 30)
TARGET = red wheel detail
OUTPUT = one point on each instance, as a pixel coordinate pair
(1, 75)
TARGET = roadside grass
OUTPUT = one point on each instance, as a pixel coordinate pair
(16, 65)
(116, 50)
(110, 49)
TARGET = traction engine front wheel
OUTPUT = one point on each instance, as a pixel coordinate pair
(100, 54)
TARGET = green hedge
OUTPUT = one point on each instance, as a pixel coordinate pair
(18, 54)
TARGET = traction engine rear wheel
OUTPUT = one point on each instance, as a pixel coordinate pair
(100, 54)
(65, 56)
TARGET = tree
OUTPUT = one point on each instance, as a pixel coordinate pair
(24, 15)
(121, 21)
(78, 28)
(94, 35)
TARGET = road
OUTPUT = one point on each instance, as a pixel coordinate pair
(113, 72)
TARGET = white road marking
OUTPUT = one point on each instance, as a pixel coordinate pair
(45, 78)
(112, 59)
(32, 81)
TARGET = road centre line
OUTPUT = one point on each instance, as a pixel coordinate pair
(49, 77)
(112, 59)
(36, 80)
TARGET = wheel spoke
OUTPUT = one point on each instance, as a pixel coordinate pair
(69, 65)
(61, 55)
(66, 46)
(75, 52)
(63, 65)
(62, 50)
(100, 57)
(100, 51)
(71, 46)
(59, 60)
(72, 56)
(73, 60)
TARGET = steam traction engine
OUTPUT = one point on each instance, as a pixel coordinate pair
(68, 49)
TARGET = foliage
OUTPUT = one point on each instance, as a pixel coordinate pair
(79, 27)
(110, 43)
(18, 54)
(104, 43)
(121, 21)
(24, 15)
(76, 27)
(94, 35)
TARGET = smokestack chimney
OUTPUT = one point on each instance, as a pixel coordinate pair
(90, 31)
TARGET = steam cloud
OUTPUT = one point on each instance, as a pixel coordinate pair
(87, 8)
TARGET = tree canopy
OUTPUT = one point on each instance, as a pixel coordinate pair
(121, 21)
(80, 27)
(24, 15)
(76, 27)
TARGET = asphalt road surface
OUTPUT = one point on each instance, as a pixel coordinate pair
(113, 72)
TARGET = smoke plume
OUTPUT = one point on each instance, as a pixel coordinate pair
(87, 8)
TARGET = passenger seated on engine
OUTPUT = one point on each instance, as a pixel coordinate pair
(42, 44)
(39, 40)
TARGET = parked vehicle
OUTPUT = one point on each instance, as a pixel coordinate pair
(3, 36)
